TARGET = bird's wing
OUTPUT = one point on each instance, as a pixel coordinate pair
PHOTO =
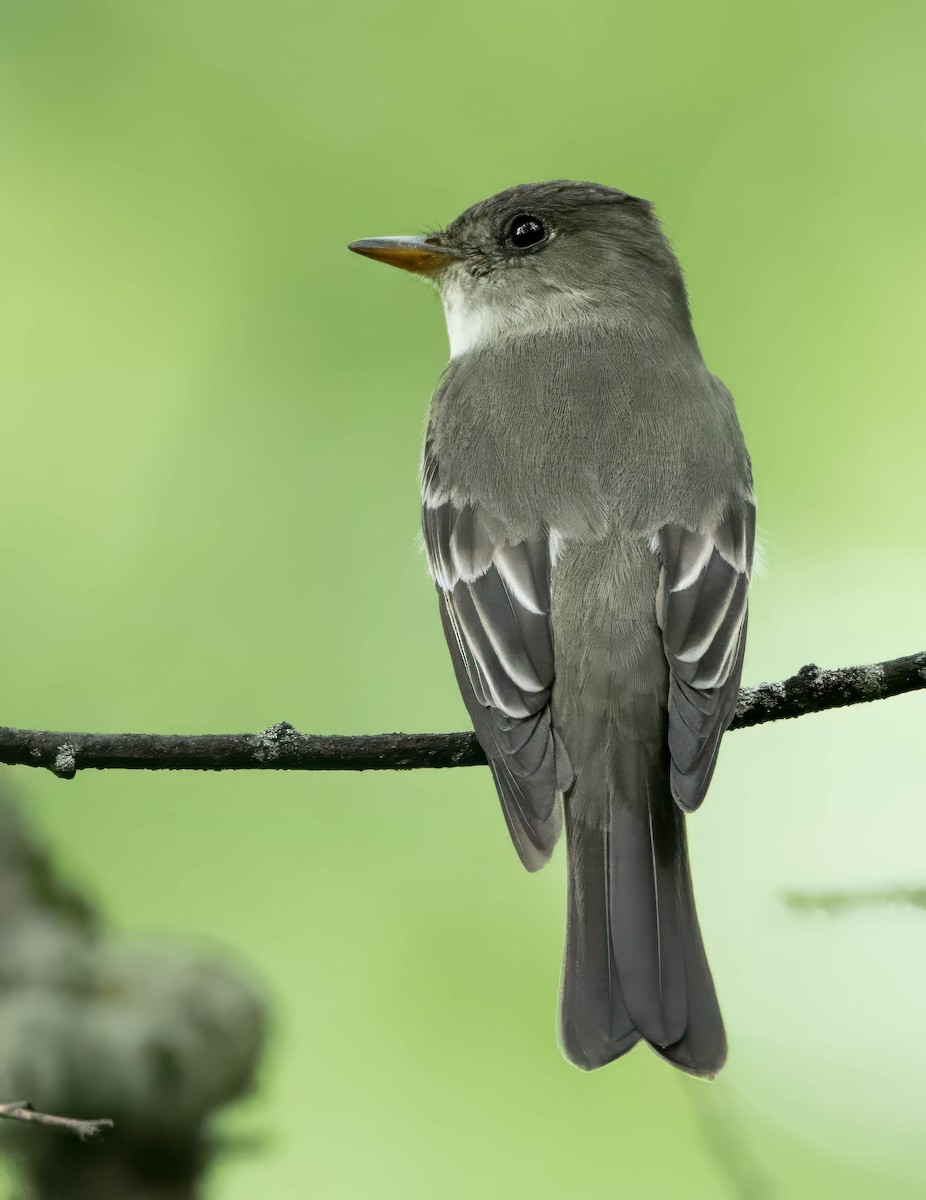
(701, 607)
(495, 607)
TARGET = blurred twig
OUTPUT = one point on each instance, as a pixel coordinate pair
(840, 902)
(727, 1143)
(282, 748)
(22, 1110)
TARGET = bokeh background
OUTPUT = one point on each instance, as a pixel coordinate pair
(211, 421)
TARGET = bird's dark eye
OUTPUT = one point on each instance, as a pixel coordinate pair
(524, 230)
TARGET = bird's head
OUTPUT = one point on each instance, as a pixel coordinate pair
(544, 256)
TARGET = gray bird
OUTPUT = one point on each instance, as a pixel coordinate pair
(589, 520)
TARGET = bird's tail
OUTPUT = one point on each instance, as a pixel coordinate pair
(634, 964)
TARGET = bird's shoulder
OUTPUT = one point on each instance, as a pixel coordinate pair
(578, 433)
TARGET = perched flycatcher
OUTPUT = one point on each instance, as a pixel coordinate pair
(589, 520)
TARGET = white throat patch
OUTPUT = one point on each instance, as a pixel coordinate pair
(468, 325)
(471, 324)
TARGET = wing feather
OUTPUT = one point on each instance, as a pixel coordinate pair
(702, 610)
(495, 607)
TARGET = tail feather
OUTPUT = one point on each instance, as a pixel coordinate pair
(595, 1027)
(644, 910)
(702, 1049)
(635, 965)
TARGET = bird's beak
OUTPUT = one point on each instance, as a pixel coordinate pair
(423, 255)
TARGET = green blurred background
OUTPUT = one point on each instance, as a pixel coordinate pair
(211, 422)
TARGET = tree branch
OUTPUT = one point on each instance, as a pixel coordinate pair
(22, 1110)
(282, 748)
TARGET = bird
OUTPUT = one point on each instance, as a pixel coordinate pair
(589, 521)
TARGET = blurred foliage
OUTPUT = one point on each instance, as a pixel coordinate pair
(155, 1036)
(212, 421)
